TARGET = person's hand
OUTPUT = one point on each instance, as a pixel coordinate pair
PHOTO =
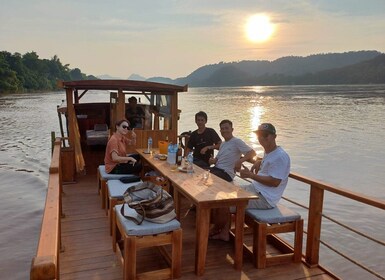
(256, 166)
(212, 160)
(238, 165)
(133, 134)
(132, 160)
(204, 150)
(245, 172)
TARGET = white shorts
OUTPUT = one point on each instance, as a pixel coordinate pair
(259, 203)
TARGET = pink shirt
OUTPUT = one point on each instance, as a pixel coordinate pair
(117, 143)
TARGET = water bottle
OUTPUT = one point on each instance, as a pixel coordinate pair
(171, 156)
(190, 163)
(149, 145)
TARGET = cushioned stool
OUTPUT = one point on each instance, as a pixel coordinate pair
(103, 177)
(265, 224)
(115, 191)
(146, 235)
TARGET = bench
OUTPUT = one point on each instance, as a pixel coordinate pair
(115, 191)
(98, 136)
(128, 238)
(102, 178)
(265, 224)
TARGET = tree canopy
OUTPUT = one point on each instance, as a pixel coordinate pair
(23, 73)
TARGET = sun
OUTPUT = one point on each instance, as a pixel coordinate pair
(259, 28)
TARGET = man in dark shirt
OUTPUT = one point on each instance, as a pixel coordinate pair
(134, 113)
(203, 141)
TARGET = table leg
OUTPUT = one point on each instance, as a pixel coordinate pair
(177, 203)
(202, 235)
(239, 224)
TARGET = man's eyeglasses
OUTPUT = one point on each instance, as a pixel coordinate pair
(125, 126)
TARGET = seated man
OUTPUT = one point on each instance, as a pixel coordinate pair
(229, 158)
(270, 177)
(134, 113)
(203, 141)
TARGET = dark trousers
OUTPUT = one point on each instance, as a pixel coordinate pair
(128, 168)
(221, 174)
(201, 163)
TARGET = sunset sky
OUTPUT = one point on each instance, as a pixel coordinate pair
(172, 38)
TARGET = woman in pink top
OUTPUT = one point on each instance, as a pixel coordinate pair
(116, 159)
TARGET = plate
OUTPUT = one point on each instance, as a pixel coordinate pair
(181, 169)
(161, 156)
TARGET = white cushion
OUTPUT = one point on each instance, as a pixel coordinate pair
(116, 188)
(106, 176)
(146, 227)
(279, 214)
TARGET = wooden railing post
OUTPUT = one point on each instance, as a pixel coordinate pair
(314, 225)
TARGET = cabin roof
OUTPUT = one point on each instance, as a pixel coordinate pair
(124, 85)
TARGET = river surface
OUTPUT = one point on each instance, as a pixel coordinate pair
(335, 134)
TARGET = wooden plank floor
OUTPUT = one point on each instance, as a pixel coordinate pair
(88, 246)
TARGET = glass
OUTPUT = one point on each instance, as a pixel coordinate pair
(174, 167)
(206, 174)
(125, 126)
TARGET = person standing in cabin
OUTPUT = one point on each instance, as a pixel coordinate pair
(116, 159)
(135, 113)
(270, 176)
(229, 158)
(203, 141)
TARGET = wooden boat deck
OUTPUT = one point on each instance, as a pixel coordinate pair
(87, 246)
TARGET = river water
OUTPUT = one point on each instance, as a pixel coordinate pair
(332, 133)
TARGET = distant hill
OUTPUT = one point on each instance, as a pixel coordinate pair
(285, 70)
(367, 72)
(136, 77)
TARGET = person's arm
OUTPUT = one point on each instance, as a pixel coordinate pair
(265, 180)
(212, 160)
(120, 159)
(248, 156)
(211, 147)
(215, 140)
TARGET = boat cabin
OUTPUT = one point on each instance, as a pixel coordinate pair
(90, 124)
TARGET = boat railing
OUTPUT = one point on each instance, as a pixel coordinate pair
(315, 215)
(45, 265)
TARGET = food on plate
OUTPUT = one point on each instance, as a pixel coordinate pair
(162, 157)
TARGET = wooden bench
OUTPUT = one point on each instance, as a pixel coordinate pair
(102, 178)
(265, 224)
(145, 235)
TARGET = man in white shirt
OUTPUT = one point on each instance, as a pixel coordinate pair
(270, 175)
(232, 153)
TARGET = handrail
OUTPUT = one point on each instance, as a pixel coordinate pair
(313, 241)
(315, 213)
(379, 203)
(45, 265)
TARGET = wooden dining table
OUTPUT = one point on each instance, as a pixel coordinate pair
(205, 194)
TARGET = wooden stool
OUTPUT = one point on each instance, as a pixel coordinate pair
(115, 191)
(265, 224)
(146, 235)
(102, 178)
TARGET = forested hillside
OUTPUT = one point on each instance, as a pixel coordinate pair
(331, 68)
(27, 72)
